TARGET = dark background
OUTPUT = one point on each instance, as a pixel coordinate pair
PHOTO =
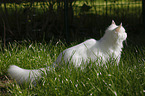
(69, 21)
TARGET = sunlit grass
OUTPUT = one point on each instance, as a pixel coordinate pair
(99, 7)
(126, 79)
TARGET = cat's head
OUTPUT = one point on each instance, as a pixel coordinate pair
(116, 32)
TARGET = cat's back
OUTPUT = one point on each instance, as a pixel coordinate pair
(77, 51)
(86, 44)
(89, 43)
(82, 47)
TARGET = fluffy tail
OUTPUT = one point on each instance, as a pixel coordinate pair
(24, 75)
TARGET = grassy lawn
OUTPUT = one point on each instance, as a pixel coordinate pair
(127, 79)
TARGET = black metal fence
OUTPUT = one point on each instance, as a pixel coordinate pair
(71, 19)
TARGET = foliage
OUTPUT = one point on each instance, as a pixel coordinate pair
(44, 20)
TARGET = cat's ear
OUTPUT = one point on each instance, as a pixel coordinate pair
(113, 22)
(118, 28)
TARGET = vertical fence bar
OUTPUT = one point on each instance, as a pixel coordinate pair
(106, 8)
(143, 12)
(66, 20)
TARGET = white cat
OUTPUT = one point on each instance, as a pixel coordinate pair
(109, 46)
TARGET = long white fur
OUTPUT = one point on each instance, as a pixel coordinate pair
(109, 46)
(24, 75)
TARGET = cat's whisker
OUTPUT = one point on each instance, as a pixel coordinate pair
(126, 42)
(126, 25)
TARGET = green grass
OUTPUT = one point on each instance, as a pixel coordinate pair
(127, 79)
(98, 7)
